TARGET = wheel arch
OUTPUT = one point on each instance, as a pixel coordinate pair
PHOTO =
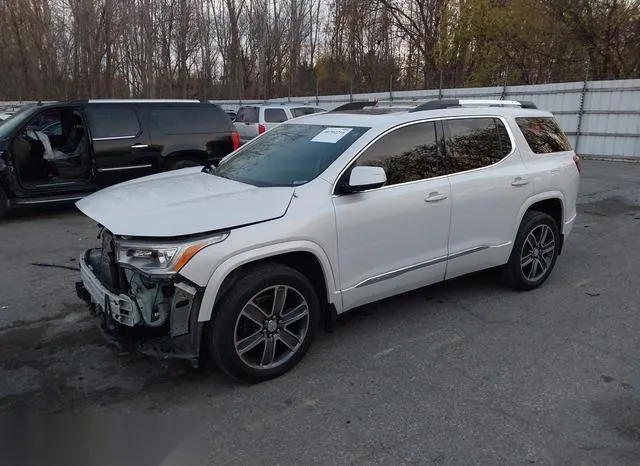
(196, 155)
(304, 256)
(551, 203)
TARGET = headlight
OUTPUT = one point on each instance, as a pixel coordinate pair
(162, 259)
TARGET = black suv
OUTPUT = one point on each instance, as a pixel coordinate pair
(59, 152)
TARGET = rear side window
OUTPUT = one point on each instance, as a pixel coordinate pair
(301, 111)
(114, 122)
(475, 143)
(247, 115)
(543, 135)
(410, 153)
(189, 120)
(274, 115)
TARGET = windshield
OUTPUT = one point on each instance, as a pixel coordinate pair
(289, 154)
(15, 121)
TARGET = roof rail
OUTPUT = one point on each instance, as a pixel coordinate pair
(136, 101)
(359, 105)
(449, 103)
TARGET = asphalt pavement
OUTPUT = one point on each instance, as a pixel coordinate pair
(466, 372)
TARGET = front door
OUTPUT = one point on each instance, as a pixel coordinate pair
(122, 149)
(394, 239)
(51, 152)
(489, 185)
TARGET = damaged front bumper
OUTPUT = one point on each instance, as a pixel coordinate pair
(175, 333)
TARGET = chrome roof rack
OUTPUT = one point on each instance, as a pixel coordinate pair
(141, 101)
(450, 103)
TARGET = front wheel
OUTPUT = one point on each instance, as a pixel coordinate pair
(534, 252)
(265, 323)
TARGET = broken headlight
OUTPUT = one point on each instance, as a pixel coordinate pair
(161, 259)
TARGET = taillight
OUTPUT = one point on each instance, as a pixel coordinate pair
(578, 162)
(235, 140)
(261, 129)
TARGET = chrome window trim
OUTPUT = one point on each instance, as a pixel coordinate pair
(414, 122)
(410, 268)
(114, 138)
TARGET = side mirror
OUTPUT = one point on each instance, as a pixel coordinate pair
(365, 177)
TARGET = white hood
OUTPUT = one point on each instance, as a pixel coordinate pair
(182, 202)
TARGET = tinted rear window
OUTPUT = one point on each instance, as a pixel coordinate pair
(189, 120)
(543, 134)
(114, 122)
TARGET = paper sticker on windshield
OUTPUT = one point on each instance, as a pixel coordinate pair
(331, 135)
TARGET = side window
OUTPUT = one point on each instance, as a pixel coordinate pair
(189, 120)
(247, 115)
(474, 143)
(301, 111)
(114, 122)
(543, 135)
(274, 115)
(407, 154)
(505, 140)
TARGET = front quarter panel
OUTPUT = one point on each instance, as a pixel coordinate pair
(308, 225)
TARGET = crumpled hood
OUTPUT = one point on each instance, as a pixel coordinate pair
(182, 202)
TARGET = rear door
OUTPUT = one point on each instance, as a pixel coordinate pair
(197, 132)
(247, 122)
(489, 185)
(121, 147)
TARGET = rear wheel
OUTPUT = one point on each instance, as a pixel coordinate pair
(265, 323)
(534, 252)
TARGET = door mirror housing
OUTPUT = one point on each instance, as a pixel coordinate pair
(366, 177)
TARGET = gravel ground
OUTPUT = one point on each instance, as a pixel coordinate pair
(467, 372)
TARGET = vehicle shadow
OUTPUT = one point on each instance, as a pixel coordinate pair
(40, 212)
(395, 307)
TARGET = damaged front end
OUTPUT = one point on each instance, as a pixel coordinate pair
(142, 304)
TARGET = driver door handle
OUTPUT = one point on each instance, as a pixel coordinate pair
(140, 146)
(435, 197)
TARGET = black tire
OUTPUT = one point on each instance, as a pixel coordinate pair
(184, 163)
(4, 203)
(228, 328)
(518, 275)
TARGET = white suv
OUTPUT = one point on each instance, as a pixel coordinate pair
(320, 215)
(253, 120)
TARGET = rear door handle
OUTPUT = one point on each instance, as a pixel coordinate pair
(435, 197)
(519, 181)
(140, 146)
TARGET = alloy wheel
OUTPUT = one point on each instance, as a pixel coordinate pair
(537, 252)
(271, 327)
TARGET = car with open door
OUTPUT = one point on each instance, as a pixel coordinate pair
(58, 152)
